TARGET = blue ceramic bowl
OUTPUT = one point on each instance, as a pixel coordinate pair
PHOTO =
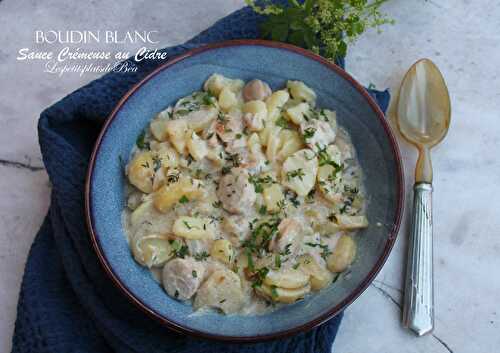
(274, 63)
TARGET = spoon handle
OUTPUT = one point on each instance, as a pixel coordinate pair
(418, 310)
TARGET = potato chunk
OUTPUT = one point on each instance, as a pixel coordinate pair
(193, 227)
(273, 195)
(227, 99)
(140, 171)
(287, 278)
(299, 172)
(222, 250)
(299, 90)
(283, 295)
(176, 132)
(343, 254)
(158, 124)
(216, 83)
(169, 194)
(222, 290)
(255, 113)
(320, 277)
(152, 250)
(347, 222)
(197, 147)
(277, 99)
(296, 114)
(290, 142)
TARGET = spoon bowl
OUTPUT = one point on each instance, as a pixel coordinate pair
(424, 105)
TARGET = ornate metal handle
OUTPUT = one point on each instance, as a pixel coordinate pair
(418, 310)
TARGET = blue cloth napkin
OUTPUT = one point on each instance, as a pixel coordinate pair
(67, 304)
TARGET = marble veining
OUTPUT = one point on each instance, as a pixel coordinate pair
(460, 36)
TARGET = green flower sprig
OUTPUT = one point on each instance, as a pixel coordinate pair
(325, 27)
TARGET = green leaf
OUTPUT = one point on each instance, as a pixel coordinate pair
(321, 26)
(297, 24)
(140, 142)
(280, 33)
(308, 6)
(342, 49)
(297, 38)
(310, 39)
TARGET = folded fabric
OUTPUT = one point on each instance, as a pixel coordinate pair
(67, 303)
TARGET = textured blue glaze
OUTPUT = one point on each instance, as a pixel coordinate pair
(274, 66)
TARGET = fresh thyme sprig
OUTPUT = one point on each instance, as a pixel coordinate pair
(325, 27)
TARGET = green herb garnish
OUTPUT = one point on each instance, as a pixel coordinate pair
(179, 249)
(297, 173)
(201, 256)
(282, 122)
(322, 26)
(183, 199)
(140, 142)
(259, 276)
(326, 250)
(309, 133)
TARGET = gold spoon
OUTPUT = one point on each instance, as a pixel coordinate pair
(423, 117)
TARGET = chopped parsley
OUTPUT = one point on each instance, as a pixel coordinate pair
(335, 279)
(173, 177)
(234, 159)
(292, 197)
(184, 199)
(179, 249)
(308, 133)
(260, 182)
(217, 204)
(251, 266)
(277, 261)
(194, 273)
(208, 99)
(201, 256)
(274, 292)
(326, 251)
(140, 142)
(260, 236)
(310, 196)
(297, 173)
(325, 159)
(259, 276)
(282, 122)
(156, 162)
(221, 118)
(287, 251)
(182, 112)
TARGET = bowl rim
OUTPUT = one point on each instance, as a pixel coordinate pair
(179, 328)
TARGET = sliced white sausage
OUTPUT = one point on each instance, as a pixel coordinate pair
(256, 90)
(182, 277)
(235, 191)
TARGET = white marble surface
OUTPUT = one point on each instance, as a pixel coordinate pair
(461, 36)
